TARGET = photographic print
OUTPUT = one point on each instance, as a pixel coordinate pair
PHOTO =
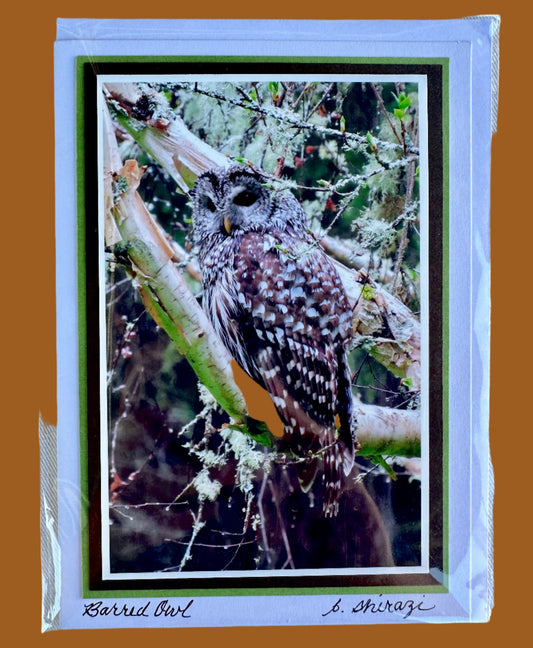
(264, 352)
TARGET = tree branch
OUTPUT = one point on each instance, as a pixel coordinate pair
(162, 134)
(374, 311)
(291, 118)
(386, 431)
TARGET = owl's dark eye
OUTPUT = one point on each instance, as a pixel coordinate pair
(209, 204)
(245, 198)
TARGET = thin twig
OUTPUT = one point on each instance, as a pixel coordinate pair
(264, 537)
(196, 528)
(301, 96)
(249, 499)
(386, 112)
(320, 101)
(286, 543)
(405, 229)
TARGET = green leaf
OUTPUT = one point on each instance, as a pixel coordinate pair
(404, 102)
(273, 86)
(370, 140)
(343, 124)
(380, 461)
(398, 112)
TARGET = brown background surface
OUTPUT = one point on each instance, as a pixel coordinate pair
(28, 322)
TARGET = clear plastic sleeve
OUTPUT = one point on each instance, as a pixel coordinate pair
(335, 252)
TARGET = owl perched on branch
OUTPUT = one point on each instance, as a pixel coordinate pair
(278, 304)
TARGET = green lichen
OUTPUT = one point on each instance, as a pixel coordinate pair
(119, 186)
(368, 292)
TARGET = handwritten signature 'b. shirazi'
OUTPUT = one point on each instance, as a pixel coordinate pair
(381, 605)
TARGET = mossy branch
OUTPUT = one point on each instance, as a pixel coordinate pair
(385, 431)
(375, 310)
(291, 118)
(147, 117)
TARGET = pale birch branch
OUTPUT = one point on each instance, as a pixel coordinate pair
(162, 134)
(386, 431)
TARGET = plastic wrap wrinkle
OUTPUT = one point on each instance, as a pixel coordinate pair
(50, 548)
(495, 23)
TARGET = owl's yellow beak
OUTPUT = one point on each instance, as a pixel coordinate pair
(227, 225)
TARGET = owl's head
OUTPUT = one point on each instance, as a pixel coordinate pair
(229, 202)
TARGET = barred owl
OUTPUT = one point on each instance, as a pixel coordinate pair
(278, 304)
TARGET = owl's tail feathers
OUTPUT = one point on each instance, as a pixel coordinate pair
(335, 465)
(337, 462)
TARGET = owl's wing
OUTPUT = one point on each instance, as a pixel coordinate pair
(293, 323)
